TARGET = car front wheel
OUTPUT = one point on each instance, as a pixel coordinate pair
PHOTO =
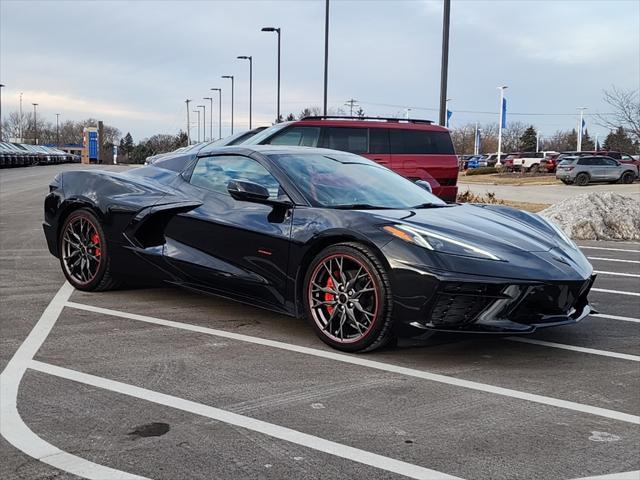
(347, 298)
(627, 177)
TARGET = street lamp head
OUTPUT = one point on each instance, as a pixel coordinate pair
(227, 76)
(200, 106)
(270, 29)
(216, 89)
(2, 85)
(207, 98)
(503, 87)
(244, 57)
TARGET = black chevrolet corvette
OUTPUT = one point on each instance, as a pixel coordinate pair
(362, 253)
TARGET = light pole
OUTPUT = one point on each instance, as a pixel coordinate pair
(188, 122)
(446, 16)
(1, 87)
(21, 117)
(277, 30)
(502, 89)
(210, 117)
(198, 112)
(35, 124)
(231, 77)
(204, 122)
(57, 129)
(219, 110)
(326, 55)
(250, 58)
(581, 109)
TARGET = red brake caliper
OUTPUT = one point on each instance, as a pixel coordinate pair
(328, 297)
(95, 239)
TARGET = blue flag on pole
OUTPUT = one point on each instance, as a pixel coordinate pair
(449, 114)
(503, 119)
(584, 126)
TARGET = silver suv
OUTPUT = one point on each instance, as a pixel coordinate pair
(582, 170)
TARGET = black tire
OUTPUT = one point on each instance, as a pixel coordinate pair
(371, 311)
(627, 177)
(566, 182)
(97, 276)
(581, 179)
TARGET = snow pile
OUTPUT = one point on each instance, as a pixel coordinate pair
(597, 216)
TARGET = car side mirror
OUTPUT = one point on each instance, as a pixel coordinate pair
(424, 184)
(245, 191)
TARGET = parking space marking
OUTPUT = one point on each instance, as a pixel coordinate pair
(610, 249)
(615, 317)
(613, 260)
(635, 275)
(592, 351)
(619, 292)
(614, 476)
(13, 428)
(364, 362)
(276, 431)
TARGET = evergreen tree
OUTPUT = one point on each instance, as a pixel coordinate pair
(126, 144)
(290, 117)
(572, 140)
(618, 141)
(587, 142)
(528, 140)
(360, 113)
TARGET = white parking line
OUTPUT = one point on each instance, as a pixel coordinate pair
(613, 260)
(362, 361)
(610, 249)
(614, 476)
(13, 428)
(615, 317)
(619, 292)
(270, 429)
(593, 351)
(619, 274)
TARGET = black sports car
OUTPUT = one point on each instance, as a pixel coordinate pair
(359, 251)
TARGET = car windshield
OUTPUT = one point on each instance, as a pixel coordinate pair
(264, 134)
(341, 180)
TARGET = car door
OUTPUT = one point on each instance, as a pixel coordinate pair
(611, 169)
(236, 247)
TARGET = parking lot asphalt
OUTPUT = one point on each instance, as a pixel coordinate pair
(547, 193)
(165, 384)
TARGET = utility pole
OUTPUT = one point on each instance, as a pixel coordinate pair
(210, 117)
(204, 122)
(276, 30)
(1, 87)
(446, 20)
(581, 109)
(231, 77)
(35, 124)
(219, 111)
(250, 58)
(21, 121)
(326, 55)
(188, 122)
(57, 129)
(350, 103)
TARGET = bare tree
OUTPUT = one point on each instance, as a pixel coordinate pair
(626, 111)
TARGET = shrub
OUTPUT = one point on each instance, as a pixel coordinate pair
(482, 171)
(470, 197)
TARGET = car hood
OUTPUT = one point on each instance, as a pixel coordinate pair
(492, 227)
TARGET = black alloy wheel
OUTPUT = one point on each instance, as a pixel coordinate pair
(581, 179)
(83, 252)
(348, 298)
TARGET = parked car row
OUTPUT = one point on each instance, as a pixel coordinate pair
(25, 155)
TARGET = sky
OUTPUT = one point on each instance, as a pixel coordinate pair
(133, 63)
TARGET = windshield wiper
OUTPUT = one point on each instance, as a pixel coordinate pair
(360, 206)
(431, 205)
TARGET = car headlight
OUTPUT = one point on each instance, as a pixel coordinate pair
(565, 238)
(438, 242)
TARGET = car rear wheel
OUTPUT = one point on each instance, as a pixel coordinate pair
(347, 298)
(627, 177)
(84, 254)
(534, 168)
(581, 179)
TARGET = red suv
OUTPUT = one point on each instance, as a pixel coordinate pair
(416, 149)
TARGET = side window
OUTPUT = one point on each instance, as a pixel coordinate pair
(610, 162)
(352, 140)
(214, 173)
(585, 161)
(379, 140)
(300, 136)
(626, 158)
(420, 142)
(616, 155)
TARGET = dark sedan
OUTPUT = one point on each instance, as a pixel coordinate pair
(356, 249)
